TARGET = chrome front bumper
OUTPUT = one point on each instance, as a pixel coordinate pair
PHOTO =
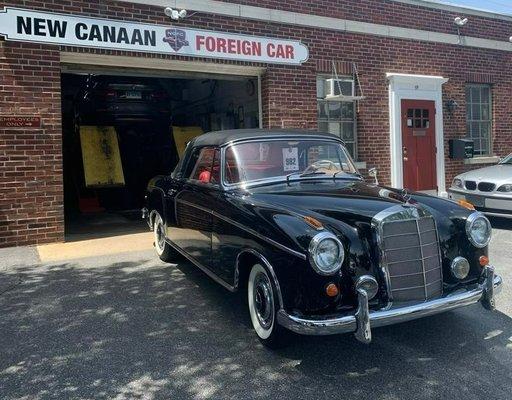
(363, 320)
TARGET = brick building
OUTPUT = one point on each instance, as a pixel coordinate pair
(403, 66)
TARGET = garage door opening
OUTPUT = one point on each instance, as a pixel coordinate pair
(120, 130)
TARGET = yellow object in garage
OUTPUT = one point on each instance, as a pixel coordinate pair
(183, 135)
(101, 156)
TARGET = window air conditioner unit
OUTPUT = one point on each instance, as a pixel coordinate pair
(339, 87)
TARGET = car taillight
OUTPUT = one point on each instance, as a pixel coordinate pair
(109, 94)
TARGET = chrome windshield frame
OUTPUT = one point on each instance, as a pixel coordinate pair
(283, 179)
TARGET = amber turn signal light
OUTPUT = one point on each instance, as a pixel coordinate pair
(466, 204)
(484, 260)
(314, 223)
(331, 290)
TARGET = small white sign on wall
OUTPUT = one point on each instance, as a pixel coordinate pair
(73, 30)
(291, 159)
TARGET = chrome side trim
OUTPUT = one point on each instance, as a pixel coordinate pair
(206, 270)
(246, 229)
(269, 267)
(349, 323)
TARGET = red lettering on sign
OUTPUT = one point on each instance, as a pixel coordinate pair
(289, 52)
(231, 46)
(199, 42)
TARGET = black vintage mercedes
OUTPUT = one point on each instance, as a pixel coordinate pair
(285, 216)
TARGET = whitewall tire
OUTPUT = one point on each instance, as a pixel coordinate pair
(263, 307)
(162, 248)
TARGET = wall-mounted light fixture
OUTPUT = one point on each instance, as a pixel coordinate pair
(175, 14)
(460, 23)
(451, 106)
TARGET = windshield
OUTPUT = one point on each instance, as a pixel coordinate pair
(507, 160)
(287, 159)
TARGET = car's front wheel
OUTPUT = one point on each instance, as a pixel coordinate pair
(263, 307)
(162, 248)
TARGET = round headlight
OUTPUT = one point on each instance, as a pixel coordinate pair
(479, 230)
(460, 268)
(326, 253)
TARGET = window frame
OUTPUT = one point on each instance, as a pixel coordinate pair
(216, 156)
(246, 184)
(341, 120)
(480, 86)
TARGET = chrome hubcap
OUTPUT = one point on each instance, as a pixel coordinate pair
(263, 301)
(160, 237)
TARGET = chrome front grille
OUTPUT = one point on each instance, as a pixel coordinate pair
(411, 259)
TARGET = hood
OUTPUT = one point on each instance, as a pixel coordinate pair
(341, 200)
(500, 173)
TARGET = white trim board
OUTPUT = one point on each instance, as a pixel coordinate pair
(442, 5)
(158, 64)
(317, 21)
(414, 87)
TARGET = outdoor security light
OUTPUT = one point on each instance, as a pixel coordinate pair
(460, 22)
(175, 14)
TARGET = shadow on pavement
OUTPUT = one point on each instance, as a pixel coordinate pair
(145, 330)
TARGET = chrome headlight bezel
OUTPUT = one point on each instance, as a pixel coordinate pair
(313, 253)
(470, 222)
(455, 268)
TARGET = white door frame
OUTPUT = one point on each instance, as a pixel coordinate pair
(415, 87)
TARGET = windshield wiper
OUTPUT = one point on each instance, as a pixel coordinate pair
(304, 174)
(351, 174)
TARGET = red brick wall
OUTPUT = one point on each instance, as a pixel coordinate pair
(31, 194)
(31, 204)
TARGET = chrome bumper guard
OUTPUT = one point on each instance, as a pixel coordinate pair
(363, 320)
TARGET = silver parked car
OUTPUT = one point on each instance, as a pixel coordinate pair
(488, 189)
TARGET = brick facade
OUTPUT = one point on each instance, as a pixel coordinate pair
(31, 192)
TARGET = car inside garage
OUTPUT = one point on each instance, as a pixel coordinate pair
(121, 128)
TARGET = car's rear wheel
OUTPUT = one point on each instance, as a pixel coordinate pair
(263, 307)
(162, 248)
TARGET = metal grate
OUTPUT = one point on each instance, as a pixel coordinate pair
(486, 186)
(411, 255)
(470, 185)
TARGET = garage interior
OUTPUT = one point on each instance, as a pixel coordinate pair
(123, 127)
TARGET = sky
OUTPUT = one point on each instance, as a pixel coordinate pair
(501, 6)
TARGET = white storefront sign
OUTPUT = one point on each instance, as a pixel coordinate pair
(71, 30)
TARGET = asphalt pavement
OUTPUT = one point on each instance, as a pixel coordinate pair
(127, 326)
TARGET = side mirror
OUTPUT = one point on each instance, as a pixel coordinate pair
(372, 173)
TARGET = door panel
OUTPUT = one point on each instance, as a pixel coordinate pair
(193, 228)
(419, 144)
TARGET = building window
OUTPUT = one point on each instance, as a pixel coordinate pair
(479, 117)
(338, 117)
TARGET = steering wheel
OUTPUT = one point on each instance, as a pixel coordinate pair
(326, 164)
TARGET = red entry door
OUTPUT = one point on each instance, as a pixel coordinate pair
(419, 144)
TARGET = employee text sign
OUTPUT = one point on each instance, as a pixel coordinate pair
(60, 29)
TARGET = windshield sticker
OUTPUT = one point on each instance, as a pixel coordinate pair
(291, 159)
(264, 150)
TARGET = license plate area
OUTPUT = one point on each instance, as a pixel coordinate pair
(133, 95)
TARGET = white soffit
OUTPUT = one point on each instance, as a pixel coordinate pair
(158, 64)
(316, 21)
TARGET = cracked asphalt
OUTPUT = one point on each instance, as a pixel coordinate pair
(127, 326)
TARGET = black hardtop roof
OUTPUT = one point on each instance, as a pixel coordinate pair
(220, 138)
